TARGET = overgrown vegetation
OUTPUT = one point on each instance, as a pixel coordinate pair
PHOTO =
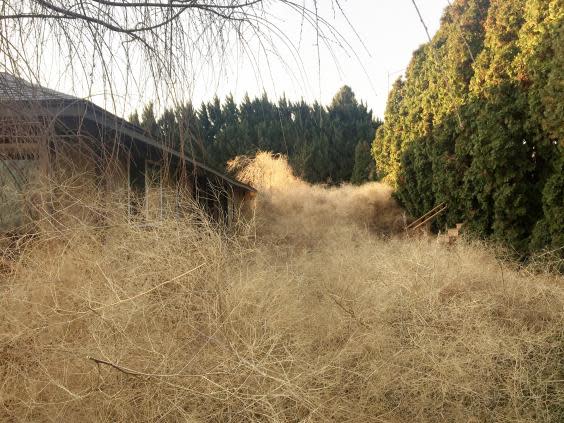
(318, 308)
(323, 144)
(289, 319)
(477, 123)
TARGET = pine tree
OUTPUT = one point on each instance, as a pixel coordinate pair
(149, 121)
(168, 133)
(364, 168)
(350, 123)
(190, 132)
(134, 118)
(320, 142)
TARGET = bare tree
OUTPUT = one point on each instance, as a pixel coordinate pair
(116, 42)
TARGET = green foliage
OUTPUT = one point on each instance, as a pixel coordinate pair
(149, 121)
(477, 122)
(320, 142)
(364, 167)
(549, 231)
(349, 123)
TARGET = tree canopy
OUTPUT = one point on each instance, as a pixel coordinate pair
(477, 122)
(323, 144)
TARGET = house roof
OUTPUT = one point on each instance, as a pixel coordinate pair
(14, 89)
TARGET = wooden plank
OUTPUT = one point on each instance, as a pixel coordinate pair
(19, 148)
(429, 218)
(416, 223)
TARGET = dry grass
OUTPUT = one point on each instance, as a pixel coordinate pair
(291, 209)
(307, 316)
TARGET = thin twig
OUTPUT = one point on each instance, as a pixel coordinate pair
(149, 290)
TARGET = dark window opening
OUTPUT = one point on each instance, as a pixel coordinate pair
(137, 187)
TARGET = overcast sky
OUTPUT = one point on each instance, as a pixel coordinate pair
(390, 31)
(387, 32)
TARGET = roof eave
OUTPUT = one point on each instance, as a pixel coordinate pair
(77, 108)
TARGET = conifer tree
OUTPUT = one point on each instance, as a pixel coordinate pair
(319, 141)
(364, 168)
(148, 121)
(476, 122)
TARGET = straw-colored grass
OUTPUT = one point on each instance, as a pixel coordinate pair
(312, 313)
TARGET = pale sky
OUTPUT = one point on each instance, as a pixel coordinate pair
(389, 29)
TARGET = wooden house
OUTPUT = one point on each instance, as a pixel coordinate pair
(47, 135)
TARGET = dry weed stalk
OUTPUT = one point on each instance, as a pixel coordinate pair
(305, 322)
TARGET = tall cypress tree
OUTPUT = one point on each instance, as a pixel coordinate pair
(319, 141)
(479, 115)
(364, 167)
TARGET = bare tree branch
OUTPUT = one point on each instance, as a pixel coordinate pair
(155, 44)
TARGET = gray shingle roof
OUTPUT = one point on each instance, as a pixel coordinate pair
(13, 88)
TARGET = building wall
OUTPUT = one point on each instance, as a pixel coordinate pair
(245, 203)
(23, 158)
(15, 176)
(74, 182)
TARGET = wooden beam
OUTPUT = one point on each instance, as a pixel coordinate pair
(416, 223)
(428, 217)
(19, 148)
